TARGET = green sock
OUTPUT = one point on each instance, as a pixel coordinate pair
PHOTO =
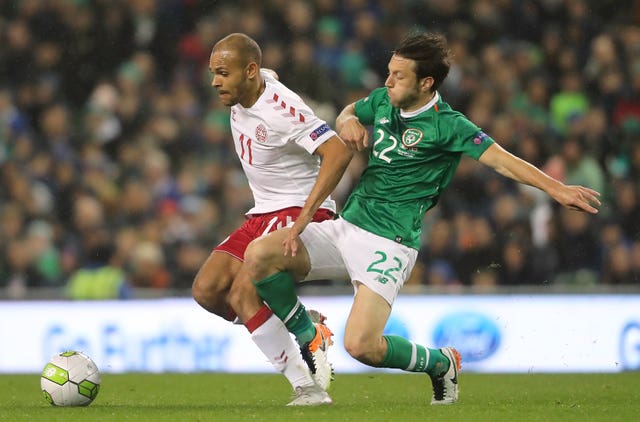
(406, 355)
(278, 291)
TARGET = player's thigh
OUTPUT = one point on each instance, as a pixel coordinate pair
(321, 242)
(367, 319)
(218, 272)
(379, 263)
(266, 255)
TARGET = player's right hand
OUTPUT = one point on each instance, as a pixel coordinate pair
(354, 134)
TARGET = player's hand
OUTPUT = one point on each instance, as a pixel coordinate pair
(579, 198)
(291, 241)
(354, 134)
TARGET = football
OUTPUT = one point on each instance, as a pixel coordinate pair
(70, 379)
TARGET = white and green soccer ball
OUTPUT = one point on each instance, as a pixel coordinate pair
(70, 379)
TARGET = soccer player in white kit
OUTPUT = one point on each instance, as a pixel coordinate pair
(293, 160)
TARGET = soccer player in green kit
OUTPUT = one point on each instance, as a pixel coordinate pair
(416, 145)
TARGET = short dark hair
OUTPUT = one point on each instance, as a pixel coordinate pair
(247, 48)
(431, 54)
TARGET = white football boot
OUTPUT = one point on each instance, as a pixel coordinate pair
(445, 385)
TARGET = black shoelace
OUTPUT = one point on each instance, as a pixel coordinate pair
(308, 357)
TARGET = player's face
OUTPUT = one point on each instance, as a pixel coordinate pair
(229, 76)
(402, 84)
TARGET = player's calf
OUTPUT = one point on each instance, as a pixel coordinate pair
(213, 298)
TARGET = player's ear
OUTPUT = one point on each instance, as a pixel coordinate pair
(252, 70)
(426, 83)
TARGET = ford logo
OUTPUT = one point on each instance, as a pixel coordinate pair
(630, 346)
(474, 335)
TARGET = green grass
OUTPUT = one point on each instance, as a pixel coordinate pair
(366, 397)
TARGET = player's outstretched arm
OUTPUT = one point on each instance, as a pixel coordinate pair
(352, 132)
(575, 197)
(335, 158)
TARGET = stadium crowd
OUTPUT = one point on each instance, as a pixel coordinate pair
(117, 168)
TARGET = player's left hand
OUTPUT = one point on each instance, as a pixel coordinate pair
(291, 241)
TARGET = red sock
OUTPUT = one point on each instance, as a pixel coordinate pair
(258, 319)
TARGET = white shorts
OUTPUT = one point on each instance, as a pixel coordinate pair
(340, 250)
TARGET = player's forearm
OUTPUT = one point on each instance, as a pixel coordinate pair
(520, 170)
(325, 184)
(526, 173)
(335, 161)
(349, 112)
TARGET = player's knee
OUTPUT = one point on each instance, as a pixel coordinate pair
(211, 295)
(258, 258)
(362, 350)
(199, 290)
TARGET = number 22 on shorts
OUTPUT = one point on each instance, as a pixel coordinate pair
(386, 268)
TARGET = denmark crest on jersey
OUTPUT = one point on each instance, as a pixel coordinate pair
(261, 133)
(411, 137)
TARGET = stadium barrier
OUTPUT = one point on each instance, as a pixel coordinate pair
(494, 333)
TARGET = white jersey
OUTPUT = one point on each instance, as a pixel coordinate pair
(275, 140)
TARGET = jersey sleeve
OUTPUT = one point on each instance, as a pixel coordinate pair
(312, 133)
(365, 108)
(294, 121)
(461, 135)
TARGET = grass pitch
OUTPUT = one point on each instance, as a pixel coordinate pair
(363, 397)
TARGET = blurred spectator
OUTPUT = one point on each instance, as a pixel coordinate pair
(114, 153)
(467, 191)
(20, 273)
(633, 161)
(189, 257)
(570, 103)
(519, 266)
(627, 209)
(329, 49)
(441, 273)
(581, 168)
(45, 256)
(485, 280)
(577, 246)
(299, 20)
(531, 106)
(98, 277)
(147, 266)
(617, 266)
(371, 45)
(635, 261)
(305, 75)
(17, 57)
(478, 254)
(437, 253)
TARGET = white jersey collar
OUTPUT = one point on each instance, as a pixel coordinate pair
(426, 107)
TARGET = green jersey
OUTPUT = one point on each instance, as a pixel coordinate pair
(412, 160)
